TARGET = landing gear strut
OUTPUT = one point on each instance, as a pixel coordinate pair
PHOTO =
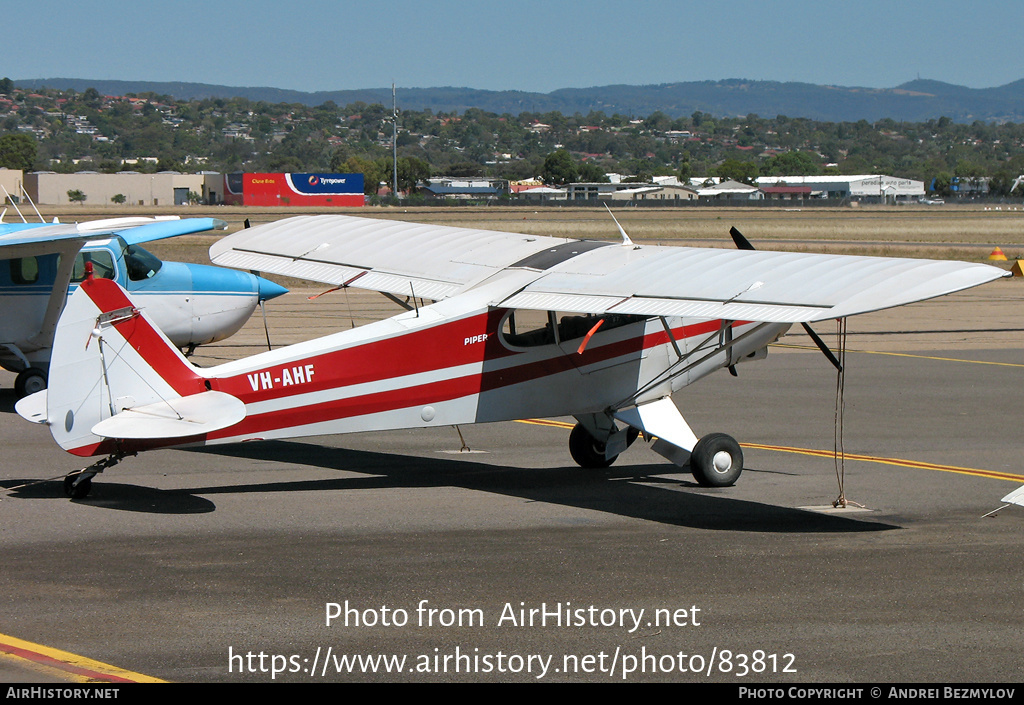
(78, 484)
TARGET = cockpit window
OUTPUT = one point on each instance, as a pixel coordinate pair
(527, 329)
(141, 263)
(523, 328)
(102, 265)
(24, 270)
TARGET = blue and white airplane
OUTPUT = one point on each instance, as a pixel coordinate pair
(41, 264)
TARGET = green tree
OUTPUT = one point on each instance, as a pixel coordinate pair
(373, 173)
(76, 195)
(17, 152)
(591, 173)
(411, 171)
(559, 169)
(744, 172)
(118, 198)
(791, 164)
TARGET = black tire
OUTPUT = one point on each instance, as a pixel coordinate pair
(29, 381)
(716, 460)
(587, 452)
(79, 491)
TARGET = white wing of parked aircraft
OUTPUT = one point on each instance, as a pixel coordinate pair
(596, 277)
(523, 326)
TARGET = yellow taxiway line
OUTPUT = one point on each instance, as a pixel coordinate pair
(65, 665)
(896, 354)
(917, 464)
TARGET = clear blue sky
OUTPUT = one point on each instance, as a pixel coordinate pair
(515, 44)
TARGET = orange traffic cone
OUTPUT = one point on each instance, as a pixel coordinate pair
(997, 254)
(1018, 268)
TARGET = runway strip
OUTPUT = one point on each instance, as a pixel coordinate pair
(65, 665)
(917, 464)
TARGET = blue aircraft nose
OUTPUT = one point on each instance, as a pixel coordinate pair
(269, 290)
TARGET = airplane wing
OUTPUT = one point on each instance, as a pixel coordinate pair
(30, 240)
(578, 276)
(380, 255)
(25, 240)
(771, 287)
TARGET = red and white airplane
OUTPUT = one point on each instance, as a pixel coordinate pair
(522, 326)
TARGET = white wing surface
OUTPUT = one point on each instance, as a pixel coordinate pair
(380, 255)
(438, 261)
(780, 287)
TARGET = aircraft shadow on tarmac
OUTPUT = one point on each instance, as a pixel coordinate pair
(633, 491)
(638, 491)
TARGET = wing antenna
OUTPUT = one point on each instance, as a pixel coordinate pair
(626, 242)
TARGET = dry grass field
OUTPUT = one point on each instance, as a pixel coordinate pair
(939, 232)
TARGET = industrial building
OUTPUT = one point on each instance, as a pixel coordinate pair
(860, 187)
(130, 188)
(11, 181)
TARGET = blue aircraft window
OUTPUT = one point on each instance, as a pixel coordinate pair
(102, 265)
(141, 263)
(24, 270)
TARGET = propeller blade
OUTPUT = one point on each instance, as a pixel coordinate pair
(821, 346)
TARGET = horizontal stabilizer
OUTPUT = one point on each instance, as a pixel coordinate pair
(1015, 497)
(33, 407)
(177, 418)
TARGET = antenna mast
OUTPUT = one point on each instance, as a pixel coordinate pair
(394, 142)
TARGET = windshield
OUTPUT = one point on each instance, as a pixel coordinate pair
(141, 263)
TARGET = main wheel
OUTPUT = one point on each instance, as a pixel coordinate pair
(76, 487)
(587, 452)
(716, 460)
(29, 381)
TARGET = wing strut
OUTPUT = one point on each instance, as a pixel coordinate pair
(743, 243)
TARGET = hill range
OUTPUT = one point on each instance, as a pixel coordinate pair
(915, 101)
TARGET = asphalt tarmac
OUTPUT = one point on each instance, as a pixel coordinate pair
(509, 563)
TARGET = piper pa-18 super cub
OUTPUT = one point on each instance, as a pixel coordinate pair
(193, 304)
(522, 326)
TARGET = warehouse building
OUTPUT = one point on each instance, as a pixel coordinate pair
(130, 188)
(868, 187)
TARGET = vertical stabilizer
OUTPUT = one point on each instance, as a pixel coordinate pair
(108, 357)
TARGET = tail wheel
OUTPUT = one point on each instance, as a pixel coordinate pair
(29, 381)
(716, 460)
(77, 485)
(587, 452)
